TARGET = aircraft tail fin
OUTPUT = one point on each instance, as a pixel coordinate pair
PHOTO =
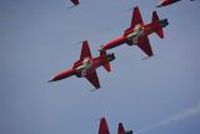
(159, 24)
(109, 58)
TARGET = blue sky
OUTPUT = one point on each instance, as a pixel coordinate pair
(38, 38)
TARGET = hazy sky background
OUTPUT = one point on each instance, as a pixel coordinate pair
(38, 38)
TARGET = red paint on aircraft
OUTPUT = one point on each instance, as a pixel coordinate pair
(137, 33)
(168, 2)
(86, 66)
(103, 128)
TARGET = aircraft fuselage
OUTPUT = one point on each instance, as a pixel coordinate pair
(167, 2)
(87, 64)
(135, 35)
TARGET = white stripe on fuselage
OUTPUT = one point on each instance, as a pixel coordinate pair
(137, 32)
(86, 64)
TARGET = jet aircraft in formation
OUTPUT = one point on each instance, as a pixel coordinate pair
(103, 128)
(86, 66)
(137, 33)
(168, 2)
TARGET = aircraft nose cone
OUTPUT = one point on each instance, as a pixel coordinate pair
(51, 80)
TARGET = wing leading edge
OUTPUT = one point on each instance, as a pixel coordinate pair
(145, 46)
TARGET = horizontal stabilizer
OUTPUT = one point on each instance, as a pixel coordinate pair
(108, 58)
(158, 27)
(107, 67)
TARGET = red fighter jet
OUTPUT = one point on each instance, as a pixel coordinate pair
(137, 33)
(86, 65)
(168, 2)
(103, 128)
(75, 2)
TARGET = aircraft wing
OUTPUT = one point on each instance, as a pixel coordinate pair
(121, 129)
(93, 78)
(85, 52)
(146, 47)
(75, 2)
(103, 127)
(136, 17)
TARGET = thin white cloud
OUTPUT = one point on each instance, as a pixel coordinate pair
(185, 114)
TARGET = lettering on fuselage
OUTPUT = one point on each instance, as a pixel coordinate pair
(86, 64)
(137, 32)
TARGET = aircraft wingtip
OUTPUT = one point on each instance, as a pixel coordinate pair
(95, 89)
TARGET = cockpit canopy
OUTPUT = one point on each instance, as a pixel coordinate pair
(138, 28)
